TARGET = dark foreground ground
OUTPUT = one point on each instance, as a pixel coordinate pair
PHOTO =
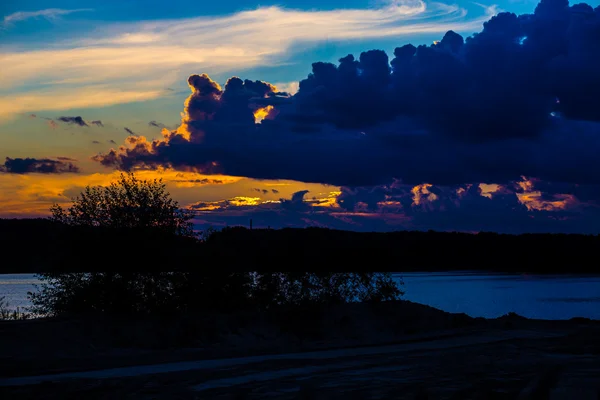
(399, 350)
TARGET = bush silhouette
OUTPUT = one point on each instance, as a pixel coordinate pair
(204, 291)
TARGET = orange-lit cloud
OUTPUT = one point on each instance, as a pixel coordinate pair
(421, 193)
(534, 199)
(328, 200)
(262, 113)
(207, 98)
(488, 189)
(323, 200)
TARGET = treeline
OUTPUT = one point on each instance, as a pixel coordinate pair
(35, 245)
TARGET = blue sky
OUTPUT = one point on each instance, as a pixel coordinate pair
(126, 63)
(79, 57)
(33, 26)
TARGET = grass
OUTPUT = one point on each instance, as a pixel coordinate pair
(6, 314)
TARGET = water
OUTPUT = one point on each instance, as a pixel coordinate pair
(493, 295)
(473, 293)
(14, 288)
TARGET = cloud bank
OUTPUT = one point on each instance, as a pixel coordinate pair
(127, 62)
(513, 100)
(397, 207)
(515, 105)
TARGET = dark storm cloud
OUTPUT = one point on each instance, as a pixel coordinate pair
(518, 98)
(129, 131)
(97, 123)
(73, 120)
(38, 165)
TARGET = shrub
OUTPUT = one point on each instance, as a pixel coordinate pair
(169, 292)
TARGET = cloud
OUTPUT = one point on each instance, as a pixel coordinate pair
(41, 166)
(455, 112)
(112, 141)
(60, 98)
(52, 124)
(115, 62)
(97, 123)
(73, 120)
(51, 14)
(265, 191)
(288, 87)
(129, 131)
(95, 142)
(156, 124)
(190, 183)
(397, 207)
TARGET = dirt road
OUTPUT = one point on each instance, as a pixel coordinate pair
(503, 364)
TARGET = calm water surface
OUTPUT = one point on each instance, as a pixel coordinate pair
(472, 293)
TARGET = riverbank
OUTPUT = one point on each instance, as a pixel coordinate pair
(63, 344)
(390, 350)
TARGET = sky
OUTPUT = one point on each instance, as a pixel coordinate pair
(369, 115)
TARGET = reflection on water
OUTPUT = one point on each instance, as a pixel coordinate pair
(474, 293)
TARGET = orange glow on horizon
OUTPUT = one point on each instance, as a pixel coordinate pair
(31, 195)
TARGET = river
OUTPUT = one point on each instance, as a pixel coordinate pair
(474, 293)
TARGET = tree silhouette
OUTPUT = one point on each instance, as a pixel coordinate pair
(128, 203)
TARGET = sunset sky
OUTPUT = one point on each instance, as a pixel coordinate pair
(494, 126)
